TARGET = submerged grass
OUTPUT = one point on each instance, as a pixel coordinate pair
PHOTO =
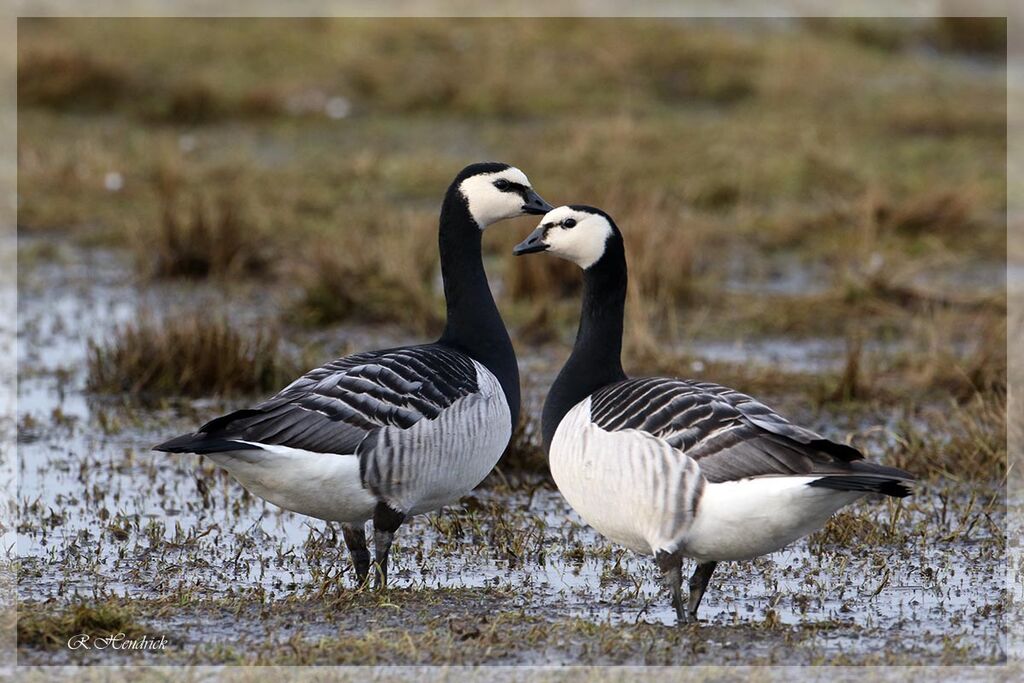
(193, 355)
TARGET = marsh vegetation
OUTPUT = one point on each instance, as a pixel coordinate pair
(815, 213)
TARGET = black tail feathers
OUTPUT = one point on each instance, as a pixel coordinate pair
(201, 443)
(897, 488)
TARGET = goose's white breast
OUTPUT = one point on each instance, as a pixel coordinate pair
(632, 487)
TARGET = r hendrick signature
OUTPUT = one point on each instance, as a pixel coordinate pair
(117, 641)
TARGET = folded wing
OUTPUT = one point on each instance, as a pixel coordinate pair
(334, 407)
(733, 436)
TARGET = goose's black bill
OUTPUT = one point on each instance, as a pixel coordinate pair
(532, 244)
(534, 204)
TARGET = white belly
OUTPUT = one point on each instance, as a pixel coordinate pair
(740, 520)
(321, 485)
(631, 487)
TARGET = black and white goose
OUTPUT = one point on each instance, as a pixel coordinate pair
(384, 435)
(678, 468)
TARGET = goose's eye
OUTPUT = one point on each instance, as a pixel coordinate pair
(501, 184)
(569, 223)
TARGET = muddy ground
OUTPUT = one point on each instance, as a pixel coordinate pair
(158, 545)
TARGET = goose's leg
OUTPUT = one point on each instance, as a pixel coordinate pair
(672, 565)
(385, 522)
(699, 584)
(355, 539)
(675, 582)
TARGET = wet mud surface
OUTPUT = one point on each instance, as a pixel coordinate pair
(511, 576)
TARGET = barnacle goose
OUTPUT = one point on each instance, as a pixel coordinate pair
(678, 468)
(384, 435)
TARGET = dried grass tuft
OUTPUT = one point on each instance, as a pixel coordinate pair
(974, 35)
(65, 79)
(530, 277)
(193, 355)
(52, 630)
(941, 211)
(375, 272)
(190, 102)
(202, 236)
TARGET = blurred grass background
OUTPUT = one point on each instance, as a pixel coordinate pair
(775, 179)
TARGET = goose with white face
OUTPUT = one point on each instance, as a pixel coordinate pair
(575, 233)
(497, 195)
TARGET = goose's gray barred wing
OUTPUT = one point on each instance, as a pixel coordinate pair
(730, 434)
(333, 408)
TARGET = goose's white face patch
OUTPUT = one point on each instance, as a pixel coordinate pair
(487, 202)
(582, 243)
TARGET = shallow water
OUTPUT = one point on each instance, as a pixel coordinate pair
(100, 515)
(755, 272)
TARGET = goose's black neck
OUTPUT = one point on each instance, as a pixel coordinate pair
(596, 359)
(473, 325)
